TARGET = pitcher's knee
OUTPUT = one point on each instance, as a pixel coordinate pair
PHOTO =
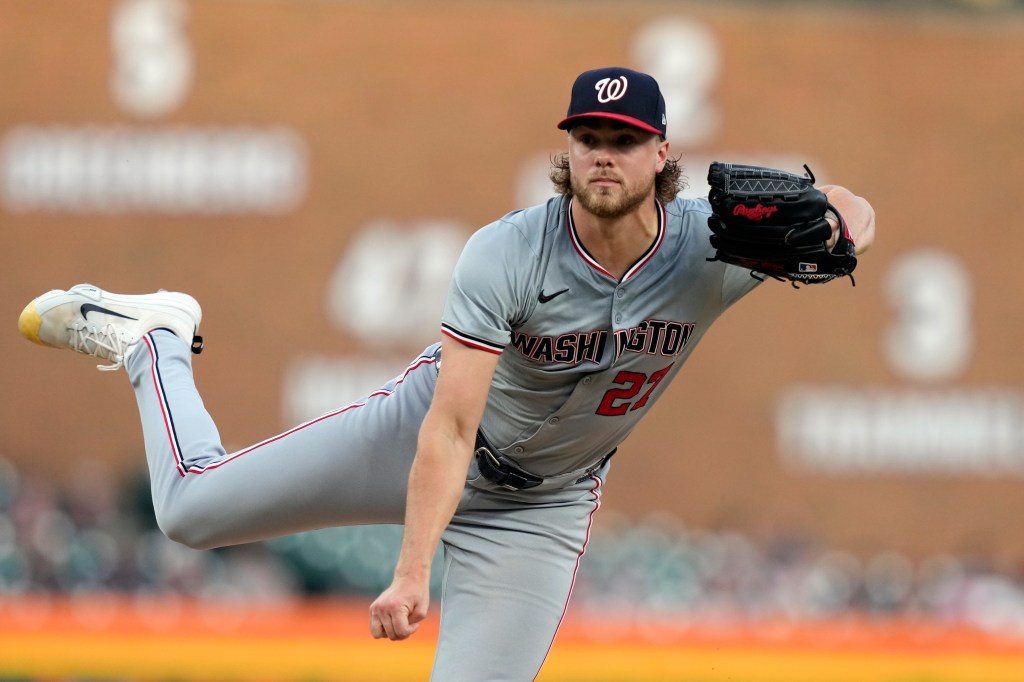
(183, 526)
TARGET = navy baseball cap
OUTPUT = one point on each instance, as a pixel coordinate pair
(620, 94)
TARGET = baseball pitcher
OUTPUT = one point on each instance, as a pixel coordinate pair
(564, 324)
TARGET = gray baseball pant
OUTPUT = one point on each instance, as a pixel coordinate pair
(510, 557)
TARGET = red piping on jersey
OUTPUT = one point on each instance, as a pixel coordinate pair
(172, 435)
(636, 267)
(466, 341)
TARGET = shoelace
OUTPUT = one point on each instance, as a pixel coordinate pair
(108, 342)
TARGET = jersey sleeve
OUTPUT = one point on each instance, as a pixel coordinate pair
(737, 283)
(483, 297)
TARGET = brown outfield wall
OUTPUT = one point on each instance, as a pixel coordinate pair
(241, 151)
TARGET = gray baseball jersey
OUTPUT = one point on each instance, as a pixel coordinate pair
(583, 356)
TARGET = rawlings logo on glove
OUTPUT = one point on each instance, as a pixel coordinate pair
(759, 212)
(773, 222)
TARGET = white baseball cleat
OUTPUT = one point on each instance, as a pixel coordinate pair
(89, 320)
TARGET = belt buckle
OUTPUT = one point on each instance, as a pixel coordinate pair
(494, 461)
(495, 467)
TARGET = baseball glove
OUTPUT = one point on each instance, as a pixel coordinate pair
(773, 222)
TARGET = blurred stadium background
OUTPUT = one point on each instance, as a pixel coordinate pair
(832, 489)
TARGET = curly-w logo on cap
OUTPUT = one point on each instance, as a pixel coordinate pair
(609, 89)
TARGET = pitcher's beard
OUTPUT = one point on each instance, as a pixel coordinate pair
(610, 204)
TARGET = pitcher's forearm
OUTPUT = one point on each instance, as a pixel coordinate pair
(436, 481)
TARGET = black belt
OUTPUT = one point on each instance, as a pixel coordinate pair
(498, 469)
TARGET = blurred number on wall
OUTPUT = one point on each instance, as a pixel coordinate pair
(389, 285)
(387, 291)
(153, 60)
(931, 335)
(683, 56)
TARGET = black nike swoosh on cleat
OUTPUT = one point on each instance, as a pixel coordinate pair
(544, 298)
(90, 308)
